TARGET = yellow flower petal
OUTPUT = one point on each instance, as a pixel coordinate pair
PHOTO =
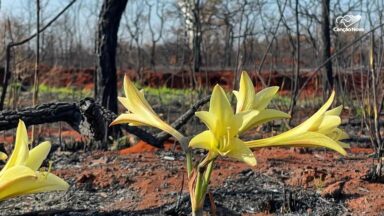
(125, 102)
(135, 96)
(235, 124)
(264, 116)
(205, 140)
(264, 97)
(20, 180)
(15, 172)
(335, 111)
(245, 95)
(337, 134)
(131, 119)
(307, 139)
(241, 152)
(20, 152)
(140, 112)
(47, 182)
(344, 145)
(37, 155)
(328, 123)
(221, 108)
(314, 121)
(209, 119)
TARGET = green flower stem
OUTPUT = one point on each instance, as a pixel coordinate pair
(199, 189)
(197, 209)
(207, 176)
(198, 212)
(188, 157)
(204, 171)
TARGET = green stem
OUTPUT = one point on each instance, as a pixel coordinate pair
(198, 188)
(207, 177)
(204, 171)
(198, 212)
(188, 157)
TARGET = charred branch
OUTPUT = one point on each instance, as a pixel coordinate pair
(89, 119)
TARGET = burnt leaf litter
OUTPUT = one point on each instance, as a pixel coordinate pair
(249, 192)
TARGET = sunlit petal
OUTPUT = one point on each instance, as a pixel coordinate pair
(15, 172)
(20, 180)
(337, 134)
(241, 152)
(219, 103)
(37, 155)
(264, 116)
(47, 182)
(328, 123)
(315, 119)
(335, 111)
(125, 102)
(307, 139)
(20, 152)
(344, 145)
(245, 95)
(208, 118)
(264, 97)
(131, 119)
(205, 140)
(140, 112)
(221, 108)
(134, 95)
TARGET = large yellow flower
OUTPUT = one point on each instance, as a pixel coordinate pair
(140, 113)
(320, 130)
(247, 100)
(20, 176)
(221, 138)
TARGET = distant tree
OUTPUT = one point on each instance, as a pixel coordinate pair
(108, 26)
(326, 41)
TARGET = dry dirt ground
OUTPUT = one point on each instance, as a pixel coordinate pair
(142, 180)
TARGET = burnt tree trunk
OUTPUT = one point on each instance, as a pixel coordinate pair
(106, 79)
(326, 41)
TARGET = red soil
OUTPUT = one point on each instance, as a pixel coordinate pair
(140, 147)
(153, 177)
(84, 79)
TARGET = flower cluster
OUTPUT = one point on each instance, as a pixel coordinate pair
(225, 126)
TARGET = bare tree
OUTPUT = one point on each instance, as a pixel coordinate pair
(326, 42)
(135, 24)
(108, 26)
(9, 46)
(297, 61)
(193, 24)
(155, 37)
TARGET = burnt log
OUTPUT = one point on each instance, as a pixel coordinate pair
(88, 118)
(45, 113)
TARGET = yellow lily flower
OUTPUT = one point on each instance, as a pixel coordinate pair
(20, 176)
(320, 130)
(247, 100)
(221, 138)
(140, 113)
